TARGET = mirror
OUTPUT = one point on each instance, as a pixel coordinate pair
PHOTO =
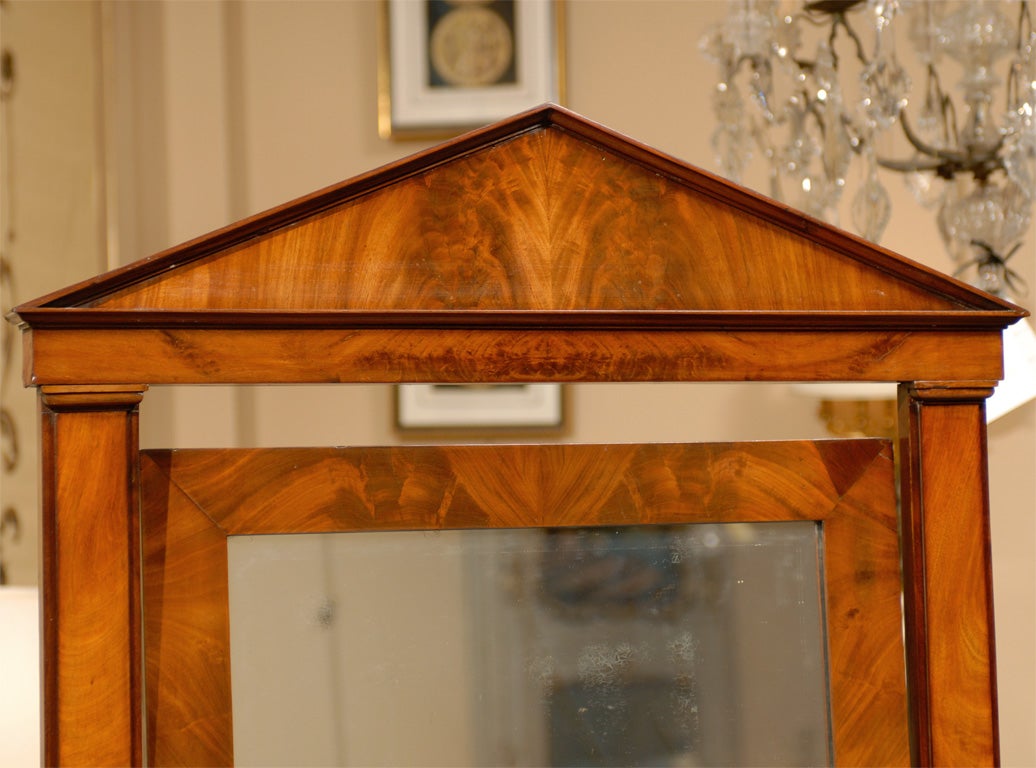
(679, 645)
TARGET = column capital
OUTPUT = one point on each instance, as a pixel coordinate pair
(950, 391)
(92, 397)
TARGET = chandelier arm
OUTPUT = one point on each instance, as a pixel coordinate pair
(814, 111)
(910, 166)
(1024, 24)
(841, 20)
(1024, 32)
(948, 112)
(1018, 284)
(856, 140)
(979, 162)
(836, 11)
(955, 159)
(935, 97)
(940, 161)
(988, 258)
(768, 151)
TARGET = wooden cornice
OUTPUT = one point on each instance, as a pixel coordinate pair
(963, 305)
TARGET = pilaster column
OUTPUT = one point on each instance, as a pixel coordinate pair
(948, 599)
(92, 692)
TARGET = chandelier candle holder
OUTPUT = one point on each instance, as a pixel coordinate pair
(813, 89)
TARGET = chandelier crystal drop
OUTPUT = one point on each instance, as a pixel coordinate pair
(815, 91)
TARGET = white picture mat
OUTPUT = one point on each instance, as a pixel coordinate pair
(473, 406)
(416, 105)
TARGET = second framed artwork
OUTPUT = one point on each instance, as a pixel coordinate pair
(446, 66)
(493, 407)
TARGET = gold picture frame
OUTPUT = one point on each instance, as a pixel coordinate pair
(446, 67)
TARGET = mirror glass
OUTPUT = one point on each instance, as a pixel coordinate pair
(666, 646)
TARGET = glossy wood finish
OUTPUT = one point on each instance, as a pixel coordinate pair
(948, 587)
(196, 356)
(186, 630)
(92, 692)
(194, 499)
(546, 210)
(543, 248)
(543, 222)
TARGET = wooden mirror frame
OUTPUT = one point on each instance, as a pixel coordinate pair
(789, 299)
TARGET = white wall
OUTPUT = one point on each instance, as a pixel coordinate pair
(53, 214)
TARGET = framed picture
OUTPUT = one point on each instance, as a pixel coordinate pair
(450, 65)
(479, 406)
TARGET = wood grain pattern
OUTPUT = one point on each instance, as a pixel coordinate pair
(542, 248)
(185, 585)
(545, 210)
(220, 355)
(848, 486)
(543, 221)
(92, 693)
(948, 588)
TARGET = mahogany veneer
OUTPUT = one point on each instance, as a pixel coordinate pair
(194, 499)
(543, 248)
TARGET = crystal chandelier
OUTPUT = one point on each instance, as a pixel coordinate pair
(817, 90)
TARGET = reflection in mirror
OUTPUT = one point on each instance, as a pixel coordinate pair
(665, 646)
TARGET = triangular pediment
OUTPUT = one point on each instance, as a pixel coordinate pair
(546, 212)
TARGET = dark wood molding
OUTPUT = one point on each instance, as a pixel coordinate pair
(604, 320)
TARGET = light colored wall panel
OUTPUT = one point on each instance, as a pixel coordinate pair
(54, 212)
